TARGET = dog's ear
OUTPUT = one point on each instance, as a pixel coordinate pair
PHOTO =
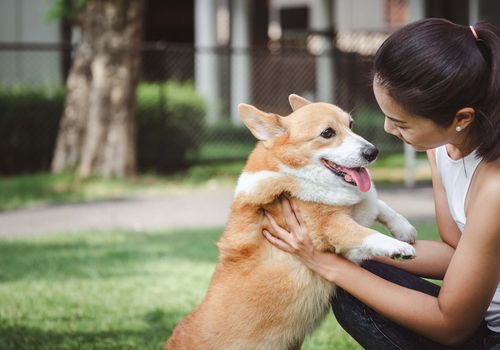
(264, 126)
(297, 101)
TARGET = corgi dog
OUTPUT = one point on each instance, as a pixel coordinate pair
(261, 297)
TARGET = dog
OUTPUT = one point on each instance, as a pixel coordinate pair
(261, 297)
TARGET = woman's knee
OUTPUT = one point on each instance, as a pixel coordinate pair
(349, 312)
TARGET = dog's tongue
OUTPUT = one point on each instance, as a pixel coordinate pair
(360, 177)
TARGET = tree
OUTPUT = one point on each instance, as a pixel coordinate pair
(97, 130)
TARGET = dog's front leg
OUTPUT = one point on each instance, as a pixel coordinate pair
(359, 243)
(396, 223)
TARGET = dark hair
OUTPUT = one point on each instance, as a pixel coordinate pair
(434, 67)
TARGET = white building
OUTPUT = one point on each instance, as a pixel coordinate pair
(25, 23)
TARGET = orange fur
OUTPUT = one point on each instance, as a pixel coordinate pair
(259, 296)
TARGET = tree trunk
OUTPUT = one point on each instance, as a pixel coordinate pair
(97, 132)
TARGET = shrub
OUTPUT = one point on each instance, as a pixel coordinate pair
(370, 124)
(224, 142)
(170, 124)
(29, 121)
(226, 132)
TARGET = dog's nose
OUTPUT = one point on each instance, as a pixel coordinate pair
(369, 153)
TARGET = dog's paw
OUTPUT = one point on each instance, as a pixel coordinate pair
(403, 230)
(382, 245)
(378, 244)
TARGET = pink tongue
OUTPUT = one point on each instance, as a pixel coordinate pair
(361, 178)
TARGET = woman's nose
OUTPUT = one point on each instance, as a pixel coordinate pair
(389, 127)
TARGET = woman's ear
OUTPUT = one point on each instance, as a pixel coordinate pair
(463, 118)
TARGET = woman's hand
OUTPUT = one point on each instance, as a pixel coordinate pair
(298, 242)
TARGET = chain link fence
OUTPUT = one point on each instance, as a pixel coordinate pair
(276, 72)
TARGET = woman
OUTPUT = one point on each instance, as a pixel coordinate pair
(438, 84)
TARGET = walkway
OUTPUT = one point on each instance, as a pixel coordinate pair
(181, 209)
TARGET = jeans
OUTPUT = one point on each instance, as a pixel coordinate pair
(374, 331)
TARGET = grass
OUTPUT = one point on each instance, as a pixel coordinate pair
(114, 289)
(43, 188)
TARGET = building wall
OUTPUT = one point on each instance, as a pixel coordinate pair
(360, 15)
(489, 10)
(25, 21)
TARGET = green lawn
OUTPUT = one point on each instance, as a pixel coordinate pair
(42, 188)
(113, 290)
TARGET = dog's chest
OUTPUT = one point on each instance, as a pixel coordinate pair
(311, 293)
(329, 192)
(364, 205)
(366, 211)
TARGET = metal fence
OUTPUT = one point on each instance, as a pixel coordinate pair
(276, 72)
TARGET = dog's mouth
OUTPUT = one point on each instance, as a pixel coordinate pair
(354, 176)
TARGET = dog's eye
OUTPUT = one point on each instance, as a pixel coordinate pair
(327, 133)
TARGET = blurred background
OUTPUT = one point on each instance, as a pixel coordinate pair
(191, 63)
(121, 144)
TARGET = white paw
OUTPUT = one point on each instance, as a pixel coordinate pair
(378, 244)
(401, 229)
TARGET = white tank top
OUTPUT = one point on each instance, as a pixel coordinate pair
(456, 176)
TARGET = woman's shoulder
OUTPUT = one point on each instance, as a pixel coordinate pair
(483, 204)
(488, 179)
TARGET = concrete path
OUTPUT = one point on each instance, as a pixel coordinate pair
(180, 209)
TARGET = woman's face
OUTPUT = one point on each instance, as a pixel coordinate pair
(420, 133)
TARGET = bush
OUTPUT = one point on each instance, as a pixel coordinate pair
(224, 142)
(226, 132)
(170, 124)
(29, 121)
(370, 124)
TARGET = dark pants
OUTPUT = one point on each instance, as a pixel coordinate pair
(374, 331)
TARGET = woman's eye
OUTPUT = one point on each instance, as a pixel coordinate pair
(327, 133)
(351, 123)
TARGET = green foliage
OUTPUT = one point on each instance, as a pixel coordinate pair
(226, 172)
(170, 124)
(226, 132)
(224, 142)
(65, 9)
(22, 190)
(370, 124)
(220, 152)
(29, 120)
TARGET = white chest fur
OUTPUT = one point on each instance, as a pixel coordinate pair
(317, 185)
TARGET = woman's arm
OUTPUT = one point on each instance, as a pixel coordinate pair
(467, 288)
(431, 260)
(448, 230)
(433, 257)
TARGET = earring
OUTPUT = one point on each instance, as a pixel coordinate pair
(458, 128)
